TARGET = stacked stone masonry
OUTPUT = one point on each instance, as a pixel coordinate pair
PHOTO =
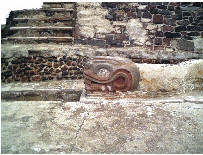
(154, 24)
(156, 27)
(53, 23)
(39, 68)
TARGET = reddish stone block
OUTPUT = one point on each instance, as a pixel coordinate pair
(157, 48)
(167, 28)
(167, 41)
(158, 19)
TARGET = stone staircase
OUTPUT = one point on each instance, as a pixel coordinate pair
(54, 22)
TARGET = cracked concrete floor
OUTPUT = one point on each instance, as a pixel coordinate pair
(101, 127)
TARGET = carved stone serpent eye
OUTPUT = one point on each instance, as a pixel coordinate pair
(111, 74)
(103, 72)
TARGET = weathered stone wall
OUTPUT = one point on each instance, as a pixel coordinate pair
(40, 68)
(154, 25)
(145, 32)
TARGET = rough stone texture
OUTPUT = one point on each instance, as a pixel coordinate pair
(168, 78)
(184, 45)
(135, 28)
(96, 21)
(91, 20)
(118, 126)
(155, 78)
(158, 19)
(198, 44)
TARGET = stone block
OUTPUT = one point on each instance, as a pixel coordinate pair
(115, 43)
(193, 34)
(171, 8)
(167, 28)
(164, 12)
(121, 36)
(64, 73)
(183, 22)
(158, 41)
(182, 44)
(192, 28)
(180, 28)
(154, 10)
(190, 19)
(158, 48)
(109, 36)
(146, 14)
(158, 19)
(159, 34)
(178, 17)
(6, 74)
(178, 10)
(156, 3)
(186, 13)
(36, 78)
(170, 21)
(172, 35)
(139, 13)
(197, 4)
(175, 3)
(187, 37)
(165, 3)
(167, 41)
(162, 7)
(185, 3)
(131, 14)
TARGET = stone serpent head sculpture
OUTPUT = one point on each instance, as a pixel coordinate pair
(111, 74)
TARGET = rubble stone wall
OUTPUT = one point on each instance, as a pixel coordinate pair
(39, 68)
(155, 25)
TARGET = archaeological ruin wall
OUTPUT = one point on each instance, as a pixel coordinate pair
(152, 25)
(145, 32)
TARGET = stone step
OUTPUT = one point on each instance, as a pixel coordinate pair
(45, 31)
(42, 23)
(42, 28)
(42, 13)
(48, 19)
(66, 5)
(37, 39)
(62, 22)
(63, 90)
(66, 95)
(40, 33)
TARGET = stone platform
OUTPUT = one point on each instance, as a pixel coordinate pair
(103, 126)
